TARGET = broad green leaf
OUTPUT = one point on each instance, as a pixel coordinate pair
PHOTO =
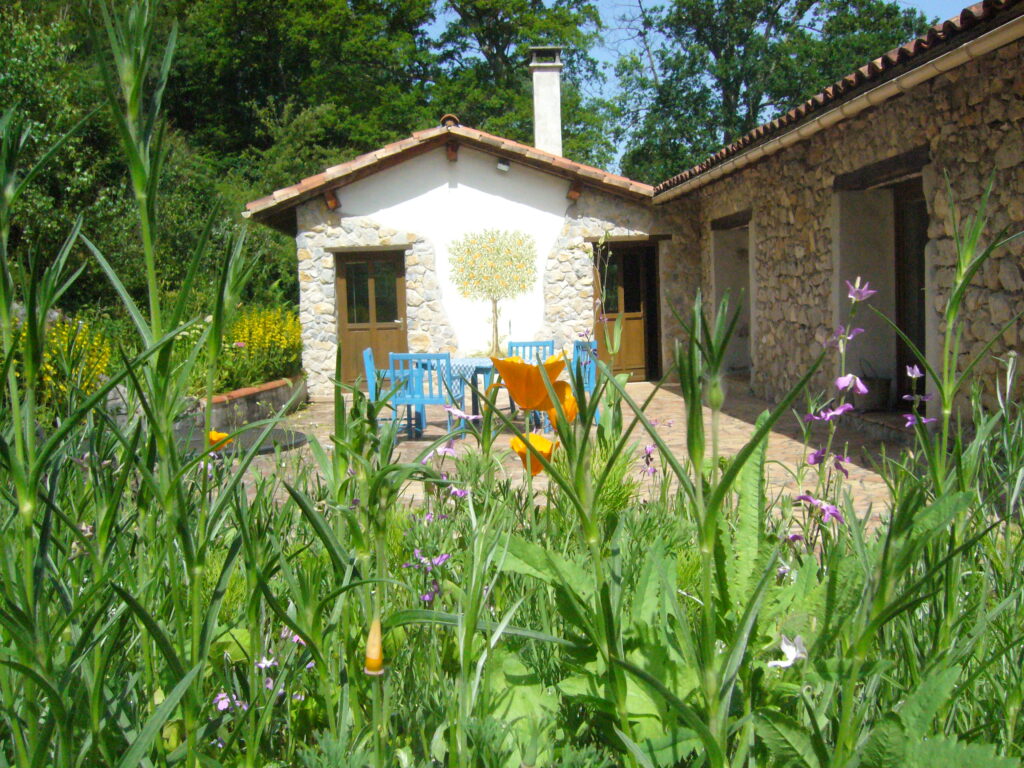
(887, 745)
(750, 519)
(944, 751)
(144, 741)
(923, 704)
(786, 739)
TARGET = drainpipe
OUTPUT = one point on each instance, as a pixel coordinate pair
(974, 49)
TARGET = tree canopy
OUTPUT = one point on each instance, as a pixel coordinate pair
(705, 72)
(262, 94)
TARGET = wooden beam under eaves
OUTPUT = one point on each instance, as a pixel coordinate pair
(453, 151)
(575, 190)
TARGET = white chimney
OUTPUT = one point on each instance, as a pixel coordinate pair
(546, 66)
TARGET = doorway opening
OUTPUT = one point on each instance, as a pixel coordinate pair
(882, 234)
(626, 280)
(731, 268)
(370, 290)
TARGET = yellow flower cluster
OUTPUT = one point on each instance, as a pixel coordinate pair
(272, 332)
(76, 358)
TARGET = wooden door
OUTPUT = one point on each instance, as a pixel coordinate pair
(371, 308)
(622, 284)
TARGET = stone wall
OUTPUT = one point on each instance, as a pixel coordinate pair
(569, 301)
(971, 119)
(567, 273)
(321, 230)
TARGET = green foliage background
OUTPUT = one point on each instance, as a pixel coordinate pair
(262, 94)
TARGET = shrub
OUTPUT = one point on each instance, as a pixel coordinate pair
(262, 345)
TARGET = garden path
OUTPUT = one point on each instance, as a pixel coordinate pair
(786, 451)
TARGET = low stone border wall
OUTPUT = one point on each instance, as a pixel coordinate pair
(234, 409)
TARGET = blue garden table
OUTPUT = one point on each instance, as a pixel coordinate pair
(470, 369)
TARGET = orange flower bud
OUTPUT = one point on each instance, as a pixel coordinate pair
(374, 650)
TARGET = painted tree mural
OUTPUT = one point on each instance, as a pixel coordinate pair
(494, 265)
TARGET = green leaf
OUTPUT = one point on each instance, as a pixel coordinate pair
(534, 560)
(946, 751)
(886, 747)
(144, 741)
(750, 518)
(921, 706)
(786, 739)
(424, 616)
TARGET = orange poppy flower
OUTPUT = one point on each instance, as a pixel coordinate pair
(374, 650)
(217, 439)
(525, 383)
(563, 391)
(544, 447)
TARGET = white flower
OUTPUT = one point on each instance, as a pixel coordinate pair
(792, 649)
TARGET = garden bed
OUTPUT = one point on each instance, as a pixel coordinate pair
(232, 410)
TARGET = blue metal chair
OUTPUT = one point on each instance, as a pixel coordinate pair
(584, 362)
(422, 379)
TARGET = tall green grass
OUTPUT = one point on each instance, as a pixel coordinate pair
(164, 606)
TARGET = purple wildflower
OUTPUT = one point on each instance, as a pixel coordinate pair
(838, 461)
(914, 372)
(841, 335)
(650, 449)
(448, 449)
(829, 511)
(295, 638)
(817, 457)
(239, 345)
(459, 493)
(222, 701)
(782, 571)
(914, 419)
(266, 663)
(920, 398)
(793, 538)
(458, 413)
(650, 470)
(851, 381)
(440, 559)
(298, 696)
(268, 683)
(860, 292)
(829, 413)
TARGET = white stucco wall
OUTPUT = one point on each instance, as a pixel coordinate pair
(440, 201)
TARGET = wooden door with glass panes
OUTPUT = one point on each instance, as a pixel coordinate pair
(370, 292)
(622, 285)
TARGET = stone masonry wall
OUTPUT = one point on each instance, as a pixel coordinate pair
(971, 118)
(320, 229)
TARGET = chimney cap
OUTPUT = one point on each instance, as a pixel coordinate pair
(546, 55)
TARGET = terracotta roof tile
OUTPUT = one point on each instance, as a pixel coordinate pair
(269, 208)
(874, 70)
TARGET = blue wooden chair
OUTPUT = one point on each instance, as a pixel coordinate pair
(584, 362)
(371, 373)
(421, 379)
(532, 352)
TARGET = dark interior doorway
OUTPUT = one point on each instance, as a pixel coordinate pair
(911, 235)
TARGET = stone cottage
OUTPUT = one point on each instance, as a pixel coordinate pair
(852, 182)
(849, 183)
(372, 240)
